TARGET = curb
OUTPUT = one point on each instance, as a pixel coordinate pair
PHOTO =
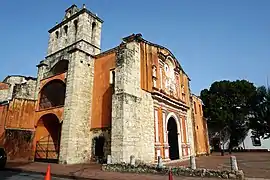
(52, 174)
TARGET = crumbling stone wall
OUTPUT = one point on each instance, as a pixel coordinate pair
(132, 109)
(25, 90)
(4, 93)
(19, 87)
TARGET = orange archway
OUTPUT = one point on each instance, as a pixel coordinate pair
(47, 137)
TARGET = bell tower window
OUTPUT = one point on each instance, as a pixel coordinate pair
(94, 25)
(57, 34)
(66, 29)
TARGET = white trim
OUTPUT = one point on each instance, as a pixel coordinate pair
(166, 153)
(186, 123)
(172, 114)
(156, 125)
(182, 132)
(164, 128)
(158, 153)
(157, 104)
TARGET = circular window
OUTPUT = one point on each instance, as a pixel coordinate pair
(166, 68)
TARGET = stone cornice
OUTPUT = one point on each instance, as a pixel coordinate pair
(73, 44)
(80, 50)
(109, 51)
(73, 17)
(161, 97)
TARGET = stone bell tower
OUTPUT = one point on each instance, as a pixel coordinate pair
(76, 39)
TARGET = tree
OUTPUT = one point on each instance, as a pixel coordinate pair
(227, 105)
(260, 119)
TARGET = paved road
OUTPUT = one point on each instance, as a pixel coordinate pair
(10, 175)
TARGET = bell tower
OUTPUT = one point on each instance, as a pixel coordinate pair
(77, 25)
(75, 39)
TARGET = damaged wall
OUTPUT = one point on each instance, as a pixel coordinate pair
(17, 127)
(19, 87)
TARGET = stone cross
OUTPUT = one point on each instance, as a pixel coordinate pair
(160, 164)
(109, 159)
(234, 166)
(132, 160)
(192, 162)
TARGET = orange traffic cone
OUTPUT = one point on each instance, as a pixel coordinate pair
(170, 175)
(48, 173)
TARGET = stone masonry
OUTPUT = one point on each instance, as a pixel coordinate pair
(190, 132)
(73, 50)
(75, 39)
(75, 139)
(132, 110)
(19, 87)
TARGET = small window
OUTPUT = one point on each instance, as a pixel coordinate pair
(166, 68)
(57, 34)
(94, 24)
(66, 29)
(195, 109)
(200, 109)
(256, 141)
(76, 26)
(112, 77)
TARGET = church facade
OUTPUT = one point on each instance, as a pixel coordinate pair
(84, 104)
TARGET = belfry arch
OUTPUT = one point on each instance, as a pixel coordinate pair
(174, 136)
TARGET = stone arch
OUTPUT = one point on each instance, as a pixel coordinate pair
(60, 67)
(47, 138)
(93, 31)
(172, 116)
(52, 94)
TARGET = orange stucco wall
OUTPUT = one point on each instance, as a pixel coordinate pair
(20, 115)
(200, 128)
(153, 78)
(150, 58)
(102, 92)
(3, 86)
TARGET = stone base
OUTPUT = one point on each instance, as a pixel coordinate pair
(176, 171)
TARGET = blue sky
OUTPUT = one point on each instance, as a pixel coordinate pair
(212, 39)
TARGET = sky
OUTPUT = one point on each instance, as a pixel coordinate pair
(212, 39)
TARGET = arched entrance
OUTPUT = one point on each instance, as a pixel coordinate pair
(173, 139)
(47, 136)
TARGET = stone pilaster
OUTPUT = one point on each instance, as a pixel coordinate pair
(190, 132)
(132, 110)
(75, 138)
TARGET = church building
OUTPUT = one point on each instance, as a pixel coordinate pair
(86, 104)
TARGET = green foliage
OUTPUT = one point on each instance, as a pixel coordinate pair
(227, 105)
(260, 120)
